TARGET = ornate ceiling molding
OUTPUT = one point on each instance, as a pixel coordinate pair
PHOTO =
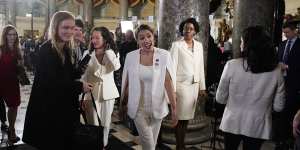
(132, 3)
(59, 2)
(152, 2)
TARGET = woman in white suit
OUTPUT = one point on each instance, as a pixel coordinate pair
(187, 54)
(147, 82)
(251, 87)
(104, 61)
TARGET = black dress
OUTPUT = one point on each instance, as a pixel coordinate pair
(53, 105)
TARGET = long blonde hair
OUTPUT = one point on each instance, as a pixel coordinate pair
(4, 45)
(57, 18)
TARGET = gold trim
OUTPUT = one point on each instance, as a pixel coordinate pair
(78, 3)
(97, 2)
(152, 2)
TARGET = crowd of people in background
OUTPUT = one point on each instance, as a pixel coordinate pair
(145, 79)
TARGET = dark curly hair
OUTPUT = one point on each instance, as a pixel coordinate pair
(258, 50)
(141, 28)
(189, 20)
(107, 37)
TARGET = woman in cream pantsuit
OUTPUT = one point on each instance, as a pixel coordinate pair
(187, 54)
(148, 76)
(104, 61)
(251, 87)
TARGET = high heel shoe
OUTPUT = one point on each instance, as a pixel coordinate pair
(12, 137)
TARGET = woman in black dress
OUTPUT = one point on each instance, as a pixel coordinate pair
(53, 105)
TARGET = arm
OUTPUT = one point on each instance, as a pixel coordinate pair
(113, 60)
(279, 99)
(172, 97)
(174, 55)
(223, 88)
(296, 123)
(202, 72)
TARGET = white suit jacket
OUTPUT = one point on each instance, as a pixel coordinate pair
(96, 74)
(184, 58)
(162, 63)
(249, 99)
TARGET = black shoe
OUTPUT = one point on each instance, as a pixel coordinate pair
(4, 127)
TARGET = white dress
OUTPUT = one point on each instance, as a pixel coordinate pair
(190, 79)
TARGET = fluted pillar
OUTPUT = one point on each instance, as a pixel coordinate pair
(88, 10)
(124, 9)
(248, 13)
(12, 8)
(51, 9)
(171, 14)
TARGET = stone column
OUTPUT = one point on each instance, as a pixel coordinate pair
(88, 12)
(171, 14)
(124, 9)
(249, 13)
(51, 9)
(12, 12)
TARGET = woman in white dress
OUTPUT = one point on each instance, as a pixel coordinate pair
(147, 81)
(104, 61)
(187, 54)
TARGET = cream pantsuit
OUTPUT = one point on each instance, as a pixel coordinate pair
(104, 89)
(190, 78)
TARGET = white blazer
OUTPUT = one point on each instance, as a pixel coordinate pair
(97, 74)
(183, 58)
(162, 63)
(249, 99)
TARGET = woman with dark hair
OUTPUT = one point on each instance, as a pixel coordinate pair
(187, 54)
(100, 72)
(148, 74)
(251, 87)
(10, 57)
(53, 105)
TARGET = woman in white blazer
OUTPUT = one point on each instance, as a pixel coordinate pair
(104, 61)
(147, 82)
(187, 54)
(251, 87)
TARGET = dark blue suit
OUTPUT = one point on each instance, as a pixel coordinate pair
(292, 83)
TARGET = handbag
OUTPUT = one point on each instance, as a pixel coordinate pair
(86, 136)
(22, 76)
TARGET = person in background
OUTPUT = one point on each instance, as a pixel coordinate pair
(79, 41)
(187, 54)
(289, 56)
(127, 46)
(148, 74)
(53, 105)
(251, 87)
(10, 58)
(104, 61)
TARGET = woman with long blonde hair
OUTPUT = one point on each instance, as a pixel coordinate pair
(10, 57)
(53, 105)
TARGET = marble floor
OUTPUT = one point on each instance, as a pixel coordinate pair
(118, 130)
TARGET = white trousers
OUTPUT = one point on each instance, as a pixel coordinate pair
(148, 129)
(105, 109)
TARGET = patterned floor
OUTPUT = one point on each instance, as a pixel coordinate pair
(118, 131)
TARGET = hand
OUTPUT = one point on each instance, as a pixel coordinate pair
(296, 125)
(84, 104)
(202, 93)
(86, 87)
(283, 66)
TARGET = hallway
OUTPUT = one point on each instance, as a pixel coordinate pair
(120, 136)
